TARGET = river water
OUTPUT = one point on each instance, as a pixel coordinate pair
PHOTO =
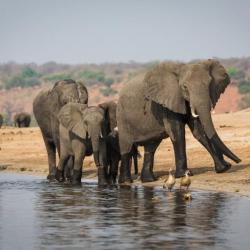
(36, 214)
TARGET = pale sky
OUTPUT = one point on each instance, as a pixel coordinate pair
(91, 31)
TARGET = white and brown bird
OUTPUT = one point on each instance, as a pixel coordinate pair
(170, 181)
(185, 180)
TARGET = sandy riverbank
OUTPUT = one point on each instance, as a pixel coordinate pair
(22, 150)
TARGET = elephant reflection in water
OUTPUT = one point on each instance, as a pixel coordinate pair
(65, 214)
(142, 217)
(151, 220)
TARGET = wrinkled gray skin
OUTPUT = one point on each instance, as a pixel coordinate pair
(46, 107)
(158, 105)
(82, 132)
(1, 120)
(22, 120)
(114, 156)
(112, 140)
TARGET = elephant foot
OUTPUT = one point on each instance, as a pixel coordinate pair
(125, 176)
(221, 168)
(226, 163)
(123, 179)
(68, 176)
(112, 179)
(180, 173)
(102, 176)
(52, 175)
(77, 176)
(59, 175)
(147, 176)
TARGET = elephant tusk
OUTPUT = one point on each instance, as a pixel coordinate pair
(193, 113)
(101, 135)
(116, 129)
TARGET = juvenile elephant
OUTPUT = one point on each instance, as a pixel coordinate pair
(159, 104)
(22, 120)
(112, 140)
(1, 120)
(82, 131)
(114, 156)
(46, 107)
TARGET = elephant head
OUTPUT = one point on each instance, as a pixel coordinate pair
(199, 85)
(67, 91)
(85, 122)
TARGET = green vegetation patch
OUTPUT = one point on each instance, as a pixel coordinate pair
(56, 77)
(244, 86)
(108, 91)
(236, 74)
(28, 78)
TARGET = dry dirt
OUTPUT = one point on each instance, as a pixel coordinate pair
(22, 150)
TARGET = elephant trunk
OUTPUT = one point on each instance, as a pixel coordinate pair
(203, 110)
(95, 140)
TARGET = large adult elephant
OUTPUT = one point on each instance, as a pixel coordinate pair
(159, 104)
(22, 120)
(46, 107)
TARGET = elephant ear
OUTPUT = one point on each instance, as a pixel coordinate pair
(162, 86)
(220, 80)
(71, 117)
(110, 115)
(82, 92)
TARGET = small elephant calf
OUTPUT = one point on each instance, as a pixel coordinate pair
(81, 134)
(114, 156)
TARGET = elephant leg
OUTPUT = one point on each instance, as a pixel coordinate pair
(68, 169)
(79, 150)
(114, 163)
(135, 158)
(103, 168)
(147, 174)
(51, 152)
(220, 164)
(125, 175)
(61, 166)
(176, 129)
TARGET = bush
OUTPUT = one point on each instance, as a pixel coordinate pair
(28, 72)
(108, 82)
(57, 77)
(28, 78)
(20, 81)
(92, 75)
(244, 86)
(108, 91)
(236, 74)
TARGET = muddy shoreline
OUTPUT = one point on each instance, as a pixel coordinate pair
(23, 151)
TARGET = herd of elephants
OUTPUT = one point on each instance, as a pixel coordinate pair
(154, 105)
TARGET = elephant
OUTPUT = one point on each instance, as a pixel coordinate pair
(22, 120)
(114, 156)
(46, 107)
(159, 103)
(1, 120)
(82, 133)
(112, 140)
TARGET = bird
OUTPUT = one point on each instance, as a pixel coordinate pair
(170, 181)
(185, 180)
